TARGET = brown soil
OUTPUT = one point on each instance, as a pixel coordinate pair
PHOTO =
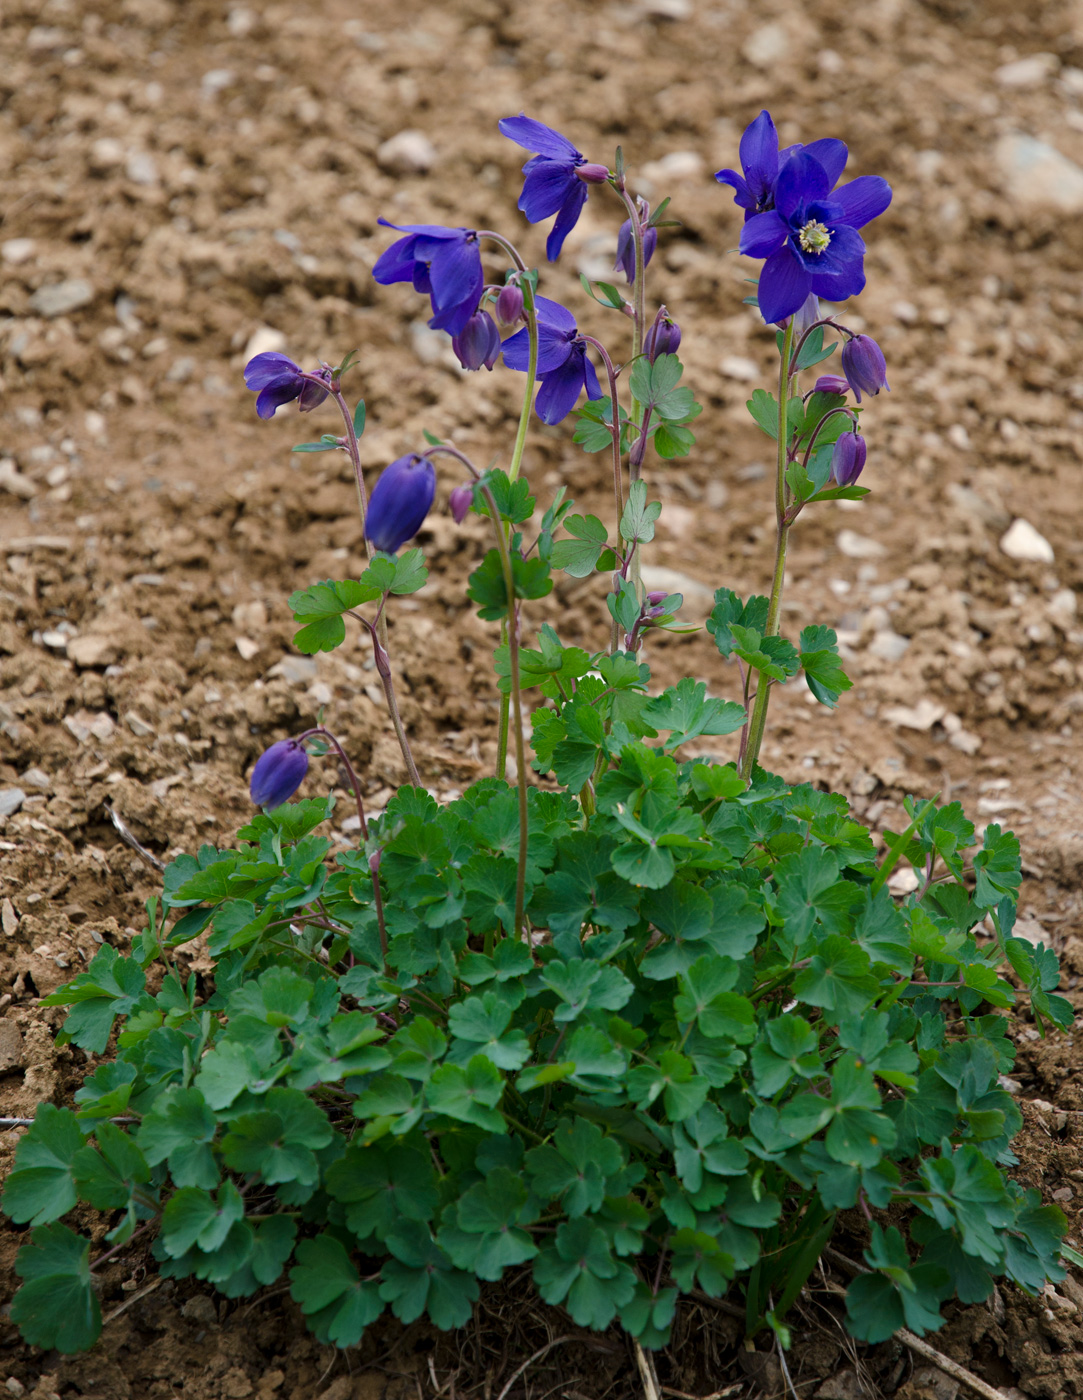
(210, 171)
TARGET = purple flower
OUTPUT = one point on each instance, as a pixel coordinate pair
(864, 366)
(663, 337)
(831, 384)
(460, 501)
(478, 343)
(277, 381)
(563, 366)
(444, 263)
(509, 304)
(626, 249)
(556, 177)
(848, 458)
(810, 237)
(761, 161)
(278, 773)
(400, 501)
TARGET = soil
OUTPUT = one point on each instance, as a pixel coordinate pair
(181, 177)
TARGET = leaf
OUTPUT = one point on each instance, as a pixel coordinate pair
(580, 555)
(575, 1167)
(278, 1141)
(383, 1185)
(593, 429)
(56, 1308)
(822, 666)
(485, 1238)
(41, 1187)
(685, 710)
(420, 1278)
(637, 522)
(321, 607)
(331, 1294)
(580, 1271)
(764, 410)
(514, 503)
(108, 989)
(878, 1304)
(481, 1024)
(997, 867)
(530, 578)
(468, 1094)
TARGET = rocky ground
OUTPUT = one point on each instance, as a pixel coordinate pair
(184, 182)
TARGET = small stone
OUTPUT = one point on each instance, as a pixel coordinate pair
(1029, 72)
(37, 777)
(12, 480)
(766, 46)
(1009, 1085)
(62, 298)
(247, 648)
(264, 340)
(13, 1048)
(9, 920)
(91, 650)
(141, 168)
(1030, 930)
(921, 717)
(138, 725)
(181, 370)
(153, 348)
(216, 80)
(1042, 1105)
(739, 367)
(1022, 541)
(296, 670)
(1065, 1193)
(105, 154)
(665, 9)
(1061, 609)
(250, 617)
(15, 1387)
(16, 251)
(85, 725)
(200, 1309)
(407, 153)
(677, 165)
(888, 646)
(55, 639)
(856, 546)
(903, 881)
(970, 503)
(11, 799)
(1038, 175)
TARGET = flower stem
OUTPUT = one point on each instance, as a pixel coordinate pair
(758, 722)
(639, 316)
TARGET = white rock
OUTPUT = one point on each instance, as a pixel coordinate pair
(16, 251)
(656, 578)
(856, 546)
(297, 670)
(1030, 930)
(888, 646)
(217, 79)
(106, 154)
(903, 881)
(320, 693)
(11, 799)
(766, 45)
(12, 480)
(922, 716)
(141, 168)
(665, 9)
(1029, 72)
(263, 340)
(1022, 541)
(37, 777)
(1061, 608)
(61, 298)
(678, 165)
(407, 153)
(92, 650)
(85, 725)
(1038, 175)
(739, 367)
(138, 725)
(247, 647)
(250, 617)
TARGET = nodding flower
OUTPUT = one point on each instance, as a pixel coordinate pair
(556, 177)
(278, 773)
(400, 501)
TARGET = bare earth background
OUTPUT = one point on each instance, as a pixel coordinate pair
(179, 176)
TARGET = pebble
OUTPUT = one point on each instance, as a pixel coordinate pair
(247, 648)
(903, 881)
(1022, 541)
(11, 799)
(739, 367)
(766, 46)
(922, 716)
(37, 777)
(12, 1047)
(1037, 173)
(856, 546)
(407, 153)
(92, 650)
(12, 480)
(105, 154)
(16, 251)
(1029, 72)
(1030, 930)
(296, 670)
(138, 725)
(61, 298)
(263, 340)
(888, 646)
(141, 168)
(677, 165)
(85, 725)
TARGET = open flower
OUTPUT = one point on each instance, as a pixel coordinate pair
(278, 773)
(276, 380)
(400, 501)
(810, 238)
(556, 177)
(563, 366)
(444, 263)
(761, 160)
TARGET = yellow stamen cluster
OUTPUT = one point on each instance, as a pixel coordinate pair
(814, 237)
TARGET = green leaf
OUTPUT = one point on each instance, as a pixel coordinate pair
(574, 1169)
(997, 866)
(329, 1289)
(41, 1187)
(321, 608)
(193, 1218)
(878, 1304)
(685, 710)
(468, 1094)
(579, 1271)
(481, 1025)
(328, 443)
(56, 1308)
(382, 1185)
(764, 409)
(594, 430)
(484, 1235)
(278, 1141)
(822, 665)
(421, 1278)
(514, 503)
(109, 988)
(530, 578)
(579, 556)
(359, 419)
(637, 522)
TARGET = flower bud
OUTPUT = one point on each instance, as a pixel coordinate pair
(664, 336)
(864, 366)
(848, 458)
(626, 249)
(460, 501)
(313, 392)
(400, 501)
(509, 305)
(658, 596)
(831, 384)
(278, 773)
(592, 174)
(479, 343)
(806, 315)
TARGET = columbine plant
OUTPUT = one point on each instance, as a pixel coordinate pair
(642, 1029)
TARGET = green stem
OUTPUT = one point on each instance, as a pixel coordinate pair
(758, 722)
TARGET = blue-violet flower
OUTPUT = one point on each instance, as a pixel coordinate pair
(509, 304)
(663, 336)
(848, 458)
(400, 501)
(563, 366)
(277, 380)
(444, 263)
(626, 249)
(460, 501)
(864, 366)
(761, 161)
(478, 343)
(278, 773)
(831, 384)
(556, 177)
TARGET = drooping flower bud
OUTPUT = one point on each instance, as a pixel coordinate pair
(400, 501)
(658, 596)
(479, 343)
(626, 249)
(831, 384)
(664, 336)
(864, 366)
(460, 501)
(509, 304)
(313, 392)
(278, 773)
(848, 458)
(592, 174)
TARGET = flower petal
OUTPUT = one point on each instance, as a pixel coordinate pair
(536, 136)
(546, 187)
(397, 263)
(763, 235)
(840, 286)
(454, 272)
(429, 230)
(742, 195)
(272, 367)
(517, 350)
(275, 395)
(759, 151)
(560, 390)
(567, 219)
(556, 315)
(784, 285)
(831, 154)
(863, 199)
(590, 378)
(801, 180)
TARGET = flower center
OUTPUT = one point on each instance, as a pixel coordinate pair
(814, 237)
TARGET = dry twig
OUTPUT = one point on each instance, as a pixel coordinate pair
(646, 1373)
(154, 1283)
(530, 1361)
(129, 839)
